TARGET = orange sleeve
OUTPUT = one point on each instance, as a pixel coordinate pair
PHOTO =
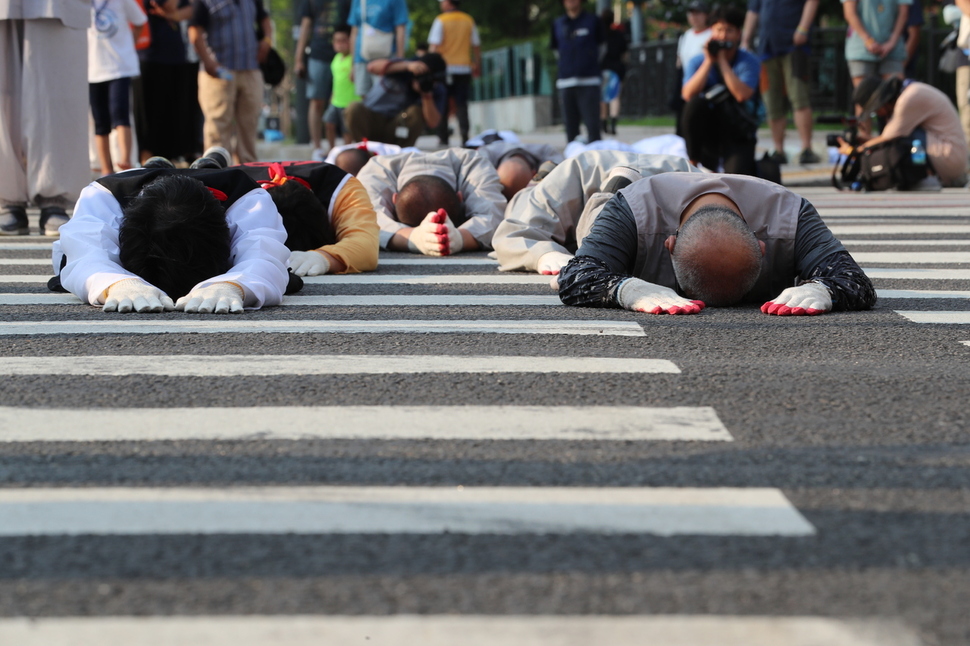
(355, 225)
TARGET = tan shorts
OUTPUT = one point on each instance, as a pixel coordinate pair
(783, 76)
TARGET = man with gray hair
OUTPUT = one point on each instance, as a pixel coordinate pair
(675, 242)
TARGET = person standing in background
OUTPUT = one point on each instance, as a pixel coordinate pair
(690, 44)
(112, 63)
(378, 30)
(576, 39)
(224, 35)
(455, 36)
(167, 94)
(343, 86)
(43, 117)
(874, 42)
(314, 53)
(783, 28)
(614, 65)
(914, 24)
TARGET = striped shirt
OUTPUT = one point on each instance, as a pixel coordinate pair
(230, 27)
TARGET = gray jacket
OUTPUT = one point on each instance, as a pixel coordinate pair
(467, 170)
(544, 217)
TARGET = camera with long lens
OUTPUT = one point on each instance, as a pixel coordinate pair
(426, 81)
(714, 46)
(850, 133)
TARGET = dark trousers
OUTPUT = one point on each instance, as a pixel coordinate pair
(581, 103)
(713, 137)
(458, 89)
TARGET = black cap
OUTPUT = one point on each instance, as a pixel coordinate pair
(697, 5)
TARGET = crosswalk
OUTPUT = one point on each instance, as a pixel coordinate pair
(46, 336)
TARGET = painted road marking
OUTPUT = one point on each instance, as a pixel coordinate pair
(209, 326)
(452, 630)
(902, 273)
(324, 300)
(893, 229)
(597, 423)
(181, 365)
(906, 243)
(916, 293)
(912, 257)
(372, 279)
(664, 511)
(943, 318)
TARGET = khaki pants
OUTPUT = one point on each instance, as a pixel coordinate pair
(43, 113)
(363, 123)
(231, 109)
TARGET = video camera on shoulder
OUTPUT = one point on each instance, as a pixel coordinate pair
(850, 133)
(714, 46)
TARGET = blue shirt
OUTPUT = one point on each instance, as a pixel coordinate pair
(777, 21)
(578, 40)
(746, 65)
(230, 27)
(381, 14)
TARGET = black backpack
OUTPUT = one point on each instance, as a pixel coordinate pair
(881, 167)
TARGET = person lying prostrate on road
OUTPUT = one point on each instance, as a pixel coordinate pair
(517, 163)
(330, 223)
(154, 239)
(539, 230)
(675, 242)
(408, 190)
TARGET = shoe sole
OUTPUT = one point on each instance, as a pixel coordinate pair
(18, 232)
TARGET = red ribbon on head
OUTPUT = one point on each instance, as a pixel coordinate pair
(278, 177)
(216, 193)
(363, 144)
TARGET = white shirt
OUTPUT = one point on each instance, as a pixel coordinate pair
(691, 44)
(111, 45)
(90, 242)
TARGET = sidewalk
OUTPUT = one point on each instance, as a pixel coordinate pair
(792, 174)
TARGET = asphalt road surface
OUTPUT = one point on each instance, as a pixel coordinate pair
(441, 454)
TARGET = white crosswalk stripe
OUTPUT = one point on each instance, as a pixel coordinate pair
(409, 510)
(182, 365)
(448, 630)
(341, 300)
(312, 326)
(583, 423)
(939, 318)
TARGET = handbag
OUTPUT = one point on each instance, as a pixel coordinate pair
(881, 167)
(374, 43)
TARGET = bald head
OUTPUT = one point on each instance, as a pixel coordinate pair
(514, 173)
(426, 194)
(352, 160)
(716, 257)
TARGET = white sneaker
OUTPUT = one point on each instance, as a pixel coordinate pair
(318, 155)
(619, 177)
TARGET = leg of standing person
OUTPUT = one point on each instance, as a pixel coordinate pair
(55, 118)
(119, 93)
(462, 83)
(249, 104)
(442, 129)
(963, 100)
(773, 90)
(13, 181)
(318, 92)
(797, 88)
(217, 100)
(700, 133)
(615, 109)
(101, 113)
(589, 107)
(570, 112)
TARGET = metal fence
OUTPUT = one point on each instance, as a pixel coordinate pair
(653, 79)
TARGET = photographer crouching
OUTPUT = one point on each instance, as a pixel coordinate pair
(399, 108)
(924, 121)
(720, 120)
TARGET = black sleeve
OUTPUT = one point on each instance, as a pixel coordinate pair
(850, 287)
(260, 13)
(604, 260)
(200, 15)
(819, 256)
